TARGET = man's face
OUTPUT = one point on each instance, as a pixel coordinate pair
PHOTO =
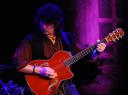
(47, 28)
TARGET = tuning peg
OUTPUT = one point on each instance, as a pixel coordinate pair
(116, 36)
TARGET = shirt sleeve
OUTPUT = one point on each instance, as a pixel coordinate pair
(23, 54)
(95, 53)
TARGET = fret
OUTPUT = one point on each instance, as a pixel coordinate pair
(79, 55)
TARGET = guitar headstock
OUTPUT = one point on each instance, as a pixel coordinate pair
(115, 35)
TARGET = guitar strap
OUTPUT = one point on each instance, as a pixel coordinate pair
(67, 86)
(64, 36)
(68, 41)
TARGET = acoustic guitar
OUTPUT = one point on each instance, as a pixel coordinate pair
(61, 62)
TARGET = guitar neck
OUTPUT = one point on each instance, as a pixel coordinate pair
(115, 35)
(82, 54)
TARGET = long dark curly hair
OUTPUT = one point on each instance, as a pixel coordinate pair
(49, 14)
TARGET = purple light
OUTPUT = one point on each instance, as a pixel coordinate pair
(88, 27)
(86, 21)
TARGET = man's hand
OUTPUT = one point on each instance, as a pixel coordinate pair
(45, 71)
(101, 47)
(48, 72)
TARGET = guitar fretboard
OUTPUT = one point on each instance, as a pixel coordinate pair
(81, 54)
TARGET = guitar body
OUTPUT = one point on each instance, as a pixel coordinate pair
(44, 86)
